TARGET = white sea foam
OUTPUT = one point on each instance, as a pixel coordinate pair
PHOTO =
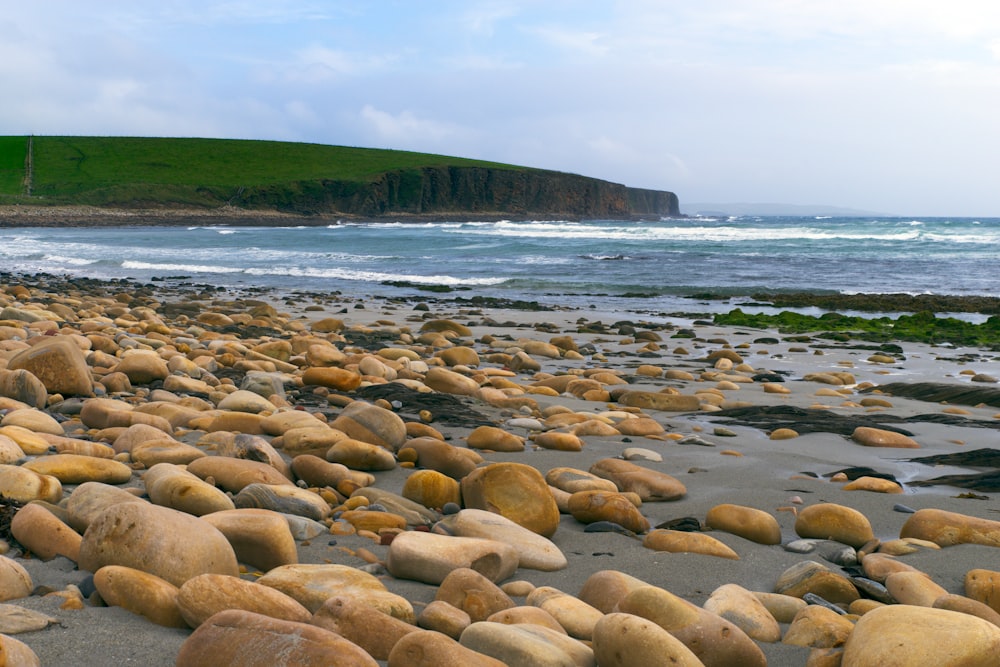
(72, 261)
(371, 276)
(187, 268)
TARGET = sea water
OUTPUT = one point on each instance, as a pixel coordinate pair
(663, 265)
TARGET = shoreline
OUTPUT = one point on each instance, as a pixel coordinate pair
(719, 460)
(15, 215)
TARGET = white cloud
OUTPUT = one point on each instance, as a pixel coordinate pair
(406, 130)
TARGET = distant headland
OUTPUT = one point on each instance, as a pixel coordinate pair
(115, 180)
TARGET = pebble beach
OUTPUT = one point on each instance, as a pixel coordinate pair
(196, 476)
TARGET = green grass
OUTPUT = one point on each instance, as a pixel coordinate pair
(12, 153)
(108, 171)
(923, 327)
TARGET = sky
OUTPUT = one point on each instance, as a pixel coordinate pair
(883, 105)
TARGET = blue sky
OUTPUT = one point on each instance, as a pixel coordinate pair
(885, 105)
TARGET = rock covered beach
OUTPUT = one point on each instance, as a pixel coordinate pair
(192, 476)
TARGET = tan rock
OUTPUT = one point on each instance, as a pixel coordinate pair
(908, 635)
(90, 499)
(874, 484)
(575, 616)
(431, 489)
(984, 586)
(559, 441)
(24, 485)
(202, 596)
(444, 618)
(534, 551)
(76, 469)
(818, 627)
(314, 584)
(950, 528)
(679, 541)
(435, 454)
(370, 423)
(473, 593)
(572, 480)
(43, 534)
(747, 522)
(713, 639)
(914, 588)
(234, 474)
(260, 538)
(140, 593)
(15, 582)
(169, 544)
(359, 455)
(741, 608)
(526, 645)
(834, 522)
(648, 400)
(590, 506)
(236, 637)
(449, 382)
(960, 603)
(15, 652)
(21, 385)
(811, 577)
(514, 490)
(527, 614)
(373, 630)
(429, 557)
(495, 439)
(340, 379)
(284, 498)
(171, 486)
(876, 437)
(604, 589)
(33, 420)
(434, 649)
(59, 364)
(650, 485)
(625, 640)
(142, 366)
(782, 607)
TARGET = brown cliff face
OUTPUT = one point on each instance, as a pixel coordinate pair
(471, 190)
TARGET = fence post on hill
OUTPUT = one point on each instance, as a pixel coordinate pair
(28, 165)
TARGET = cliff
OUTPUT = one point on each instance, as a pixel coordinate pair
(438, 191)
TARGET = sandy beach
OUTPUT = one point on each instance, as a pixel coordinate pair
(723, 451)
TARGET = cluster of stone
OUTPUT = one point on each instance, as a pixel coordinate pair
(181, 460)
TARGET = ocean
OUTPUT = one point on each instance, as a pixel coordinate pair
(663, 266)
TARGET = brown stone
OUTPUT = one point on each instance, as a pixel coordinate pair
(747, 522)
(429, 557)
(169, 544)
(590, 506)
(516, 491)
(834, 522)
(473, 593)
(140, 593)
(650, 485)
(713, 639)
(626, 640)
(877, 437)
(949, 528)
(433, 649)
(59, 364)
(260, 538)
(202, 596)
(373, 630)
(236, 637)
(679, 541)
(43, 534)
(907, 635)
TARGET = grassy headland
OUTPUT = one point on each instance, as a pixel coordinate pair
(296, 178)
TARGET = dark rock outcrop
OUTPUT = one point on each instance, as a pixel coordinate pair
(437, 191)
